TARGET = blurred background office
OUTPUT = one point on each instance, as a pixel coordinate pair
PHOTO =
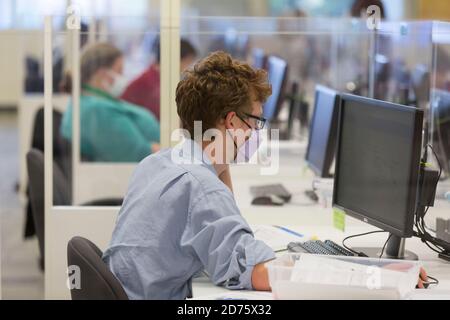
(120, 115)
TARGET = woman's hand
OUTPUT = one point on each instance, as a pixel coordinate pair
(423, 277)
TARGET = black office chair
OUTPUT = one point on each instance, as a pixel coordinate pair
(97, 282)
(61, 155)
(61, 193)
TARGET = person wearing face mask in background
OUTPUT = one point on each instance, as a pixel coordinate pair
(145, 89)
(111, 130)
(179, 216)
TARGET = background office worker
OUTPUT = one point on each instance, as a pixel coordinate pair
(145, 89)
(110, 129)
(179, 216)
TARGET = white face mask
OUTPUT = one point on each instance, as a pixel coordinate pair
(120, 83)
(249, 148)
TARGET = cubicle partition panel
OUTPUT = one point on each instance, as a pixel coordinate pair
(400, 74)
(333, 51)
(29, 111)
(121, 109)
(439, 105)
(22, 86)
(411, 63)
(22, 54)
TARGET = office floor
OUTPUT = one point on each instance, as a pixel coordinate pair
(20, 274)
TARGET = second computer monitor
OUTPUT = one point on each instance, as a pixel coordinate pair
(259, 58)
(322, 133)
(378, 162)
(277, 71)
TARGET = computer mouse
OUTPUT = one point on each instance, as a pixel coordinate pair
(268, 200)
(312, 195)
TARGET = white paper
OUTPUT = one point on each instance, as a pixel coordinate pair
(274, 237)
(332, 271)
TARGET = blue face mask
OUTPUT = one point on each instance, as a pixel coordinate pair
(246, 151)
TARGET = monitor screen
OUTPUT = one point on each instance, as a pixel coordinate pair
(258, 58)
(377, 162)
(322, 134)
(277, 70)
(420, 78)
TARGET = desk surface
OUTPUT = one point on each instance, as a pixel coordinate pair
(313, 219)
(202, 287)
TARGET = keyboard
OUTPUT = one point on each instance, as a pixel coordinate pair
(326, 247)
(271, 189)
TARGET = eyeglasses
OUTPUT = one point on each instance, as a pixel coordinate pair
(260, 121)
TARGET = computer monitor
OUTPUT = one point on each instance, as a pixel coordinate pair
(377, 167)
(259, 58)
(441, 125)
(420, 79)
(277, 70)
(322, 133)
(382, 71)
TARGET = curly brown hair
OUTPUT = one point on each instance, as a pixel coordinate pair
(217, 85)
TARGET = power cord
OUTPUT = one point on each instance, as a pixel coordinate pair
(360, 254)
(384, 246)
(437, 245)
(434, 282)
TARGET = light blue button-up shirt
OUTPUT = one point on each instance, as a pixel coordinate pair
(177, 220)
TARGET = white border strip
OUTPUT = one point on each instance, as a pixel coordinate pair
(170, 67)
(76, 158)
(48, 133)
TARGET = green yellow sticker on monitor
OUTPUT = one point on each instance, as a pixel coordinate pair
(339, 219)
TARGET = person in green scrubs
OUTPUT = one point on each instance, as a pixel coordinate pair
(111, 130)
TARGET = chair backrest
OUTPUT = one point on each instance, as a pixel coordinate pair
(61, 191)
(97, 282)
(61, 185)
(61, 147)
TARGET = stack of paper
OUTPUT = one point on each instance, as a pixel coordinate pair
(307, 276)
(332, 271)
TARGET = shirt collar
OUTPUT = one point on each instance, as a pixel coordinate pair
(190, 152)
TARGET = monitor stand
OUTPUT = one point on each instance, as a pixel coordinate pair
(395, 249)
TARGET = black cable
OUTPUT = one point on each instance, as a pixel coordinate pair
(385, 244)
(419, 221)
(438, 161)
(429, 239)
(361, 254)
(435, 281)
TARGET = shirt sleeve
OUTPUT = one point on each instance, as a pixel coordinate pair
(223, 241)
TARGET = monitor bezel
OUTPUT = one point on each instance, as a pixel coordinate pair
(407, 230)
(281, 95)
(330, 151)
